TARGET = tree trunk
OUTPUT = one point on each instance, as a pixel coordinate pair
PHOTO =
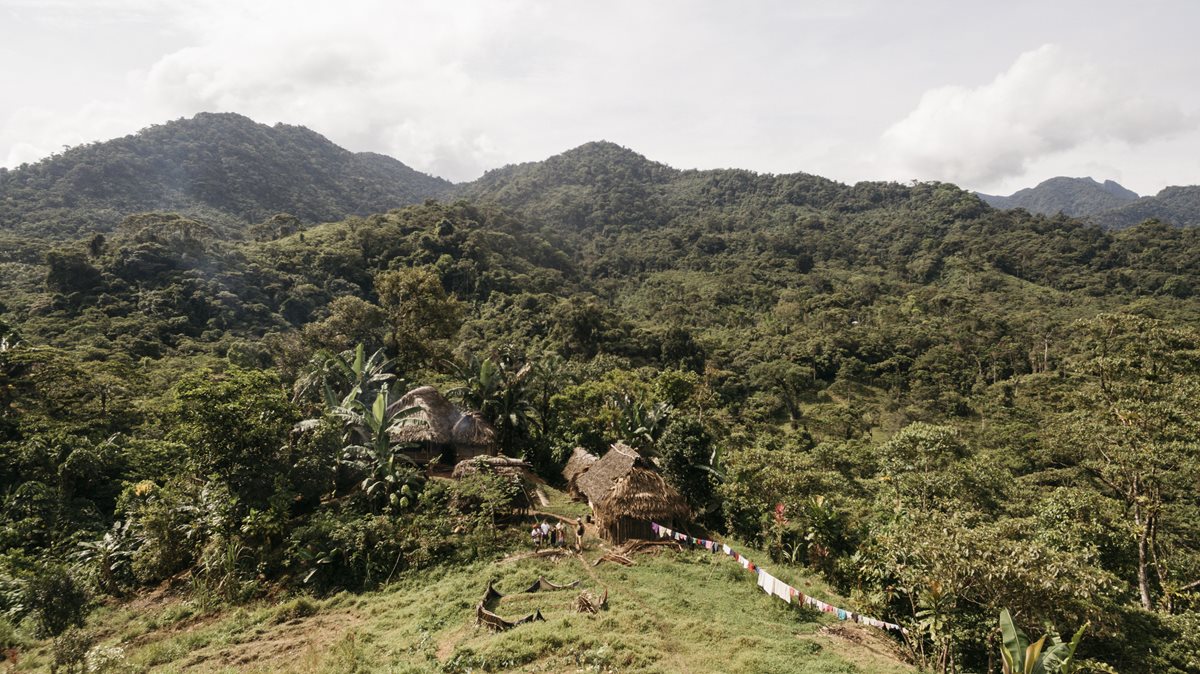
(1143, 561)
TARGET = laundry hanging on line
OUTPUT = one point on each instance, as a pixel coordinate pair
(772, 585)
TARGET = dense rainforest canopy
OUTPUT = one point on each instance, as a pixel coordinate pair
(945, 408)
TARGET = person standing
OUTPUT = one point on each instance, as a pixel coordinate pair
(579, 534)
(536, 534)
(560, 535)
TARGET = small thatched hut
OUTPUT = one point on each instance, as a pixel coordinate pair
(626, 494)
(516, 471)
(577, 465)
(443, 430)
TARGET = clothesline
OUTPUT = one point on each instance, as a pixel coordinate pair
(772, 585)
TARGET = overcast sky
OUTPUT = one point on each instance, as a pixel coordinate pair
(991, 95)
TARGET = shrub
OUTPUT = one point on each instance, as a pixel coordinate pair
(56, 600)
(300, 607)
(70, 650)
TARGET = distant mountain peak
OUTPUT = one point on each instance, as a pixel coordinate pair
(221, 167)
(1062, 194)
(605, 151)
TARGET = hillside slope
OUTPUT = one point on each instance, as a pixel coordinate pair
(674, 612)
(1179, 206)
(223, 168)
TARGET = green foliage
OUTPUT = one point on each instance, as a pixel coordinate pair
(685, 451)
(1023, 657)
(70, 650)
(204, 165)
(55, 599)
(234, 425)
(391, 479)
(943, 408)
(420, 316)
(503, 391)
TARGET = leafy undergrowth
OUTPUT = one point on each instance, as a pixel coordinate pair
(673, 612)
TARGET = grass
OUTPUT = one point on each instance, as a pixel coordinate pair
(687, 611)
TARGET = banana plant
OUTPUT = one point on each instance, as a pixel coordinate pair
(1022, 657)
(346, 376)
(390, 475)
(502, 391)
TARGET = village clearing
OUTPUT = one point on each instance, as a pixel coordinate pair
(675, 609)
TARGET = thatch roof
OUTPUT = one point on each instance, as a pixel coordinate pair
(623, 484)
(502, 465)
(643, 494)
(444, 424)
(472, 430)
(577, 465)
(604, 473)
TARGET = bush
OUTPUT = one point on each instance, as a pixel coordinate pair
(56, 601)
(70, 651)
(10, 637)
(300, 607)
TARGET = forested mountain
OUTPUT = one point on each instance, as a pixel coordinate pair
(943, 409)
(1106, 204)
(1072, 196)
(1179, 206)
(223, 168)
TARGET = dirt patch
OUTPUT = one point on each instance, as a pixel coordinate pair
(866, 647)
(288, 640)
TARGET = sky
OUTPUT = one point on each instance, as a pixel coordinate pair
(992, 96)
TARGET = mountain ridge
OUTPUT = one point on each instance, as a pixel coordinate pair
(1071, 196)
(222, 167)
(232, 172)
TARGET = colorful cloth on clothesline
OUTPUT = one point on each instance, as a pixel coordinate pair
(772, 585)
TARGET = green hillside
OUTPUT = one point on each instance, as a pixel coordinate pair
(1179, 206)
(223, 168)
(929, 408)
(671, 612)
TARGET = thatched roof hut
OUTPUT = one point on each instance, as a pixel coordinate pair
(595, 483)
(518, 472)
(626, 494)
(577, 465)
(502, 465)
(445, 428)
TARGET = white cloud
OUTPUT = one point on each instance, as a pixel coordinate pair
(1049, 101)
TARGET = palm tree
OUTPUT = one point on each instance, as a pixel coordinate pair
(502, 392)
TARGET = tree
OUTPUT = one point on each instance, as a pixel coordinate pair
(345, 376)
(351, 320)
(1132, 427)
(420, 315)
(71, 272)
(686, 453)
(235, 425)
(391, 478)
(502, 391)
(920, 464)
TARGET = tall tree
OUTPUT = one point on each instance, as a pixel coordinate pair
(419, 313)
(1134, 430)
